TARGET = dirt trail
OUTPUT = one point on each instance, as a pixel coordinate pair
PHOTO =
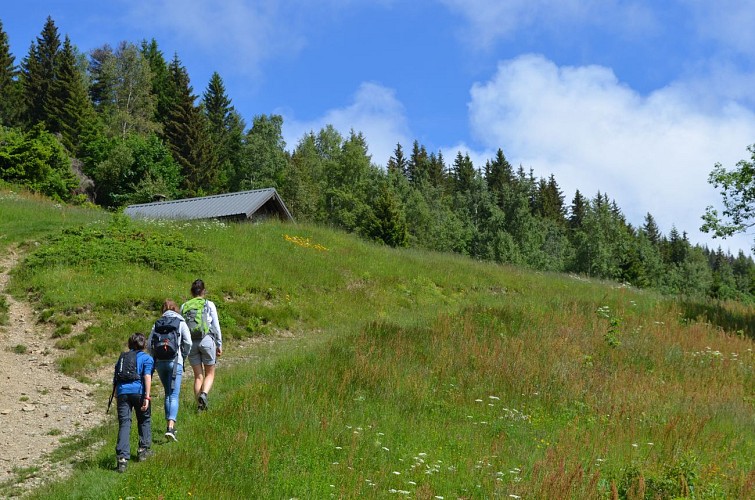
(38, 404)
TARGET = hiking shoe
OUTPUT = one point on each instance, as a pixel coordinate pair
(143, 454)
(122, 464)
(202, 401)
(171, 434)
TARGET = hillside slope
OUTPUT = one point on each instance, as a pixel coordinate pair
(405, 373)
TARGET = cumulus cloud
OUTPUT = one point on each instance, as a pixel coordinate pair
(375, 111)
(650, 153)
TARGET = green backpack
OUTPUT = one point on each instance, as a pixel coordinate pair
(196, 313)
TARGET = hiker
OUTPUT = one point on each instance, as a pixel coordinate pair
(201, 316)
(132, 381)
(169, 342)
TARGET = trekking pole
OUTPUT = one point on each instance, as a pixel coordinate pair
(110, 401)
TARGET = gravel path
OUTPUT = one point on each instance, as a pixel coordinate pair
(38, 404)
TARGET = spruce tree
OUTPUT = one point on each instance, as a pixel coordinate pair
(69, 109)
(10, 102)
(463, 173)
(39, 70)
(226, 129)
(397, 163)
(650, 228)
(499, 176)
(417, 170)
(160, 79)
(187, 134)
(577, 210)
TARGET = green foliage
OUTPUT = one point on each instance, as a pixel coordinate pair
(120, 242)
(132, 169)
(738, 196)
(37, 161)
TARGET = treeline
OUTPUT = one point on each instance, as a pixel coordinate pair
(123, 125)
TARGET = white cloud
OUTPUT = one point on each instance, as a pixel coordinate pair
(375, 111)
(237, 33)
(491, 20)
(650, 153)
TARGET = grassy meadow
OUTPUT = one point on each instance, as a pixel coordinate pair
(353, 370)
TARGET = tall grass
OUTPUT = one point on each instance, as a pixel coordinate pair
(415, 374)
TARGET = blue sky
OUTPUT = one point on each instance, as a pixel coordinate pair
(638, 99)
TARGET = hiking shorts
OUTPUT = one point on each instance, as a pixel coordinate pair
(203, 352)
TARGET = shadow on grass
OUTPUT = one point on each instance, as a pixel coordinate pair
(732, 320)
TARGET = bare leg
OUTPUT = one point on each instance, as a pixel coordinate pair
(209, 378)
(198, 379)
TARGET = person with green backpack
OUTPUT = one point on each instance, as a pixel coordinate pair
(169, 342)
(201, 316)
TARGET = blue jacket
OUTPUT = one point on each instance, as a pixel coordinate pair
(144, 365)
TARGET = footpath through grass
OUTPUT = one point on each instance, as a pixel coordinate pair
(409, 374)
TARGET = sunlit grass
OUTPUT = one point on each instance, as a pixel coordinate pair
(413, 374)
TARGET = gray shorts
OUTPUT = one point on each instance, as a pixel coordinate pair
(203, 352)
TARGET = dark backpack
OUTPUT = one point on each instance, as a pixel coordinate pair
(196, 312)
(125, 368)
(165, 340)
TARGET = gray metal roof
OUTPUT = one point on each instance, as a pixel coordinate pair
(243, 204)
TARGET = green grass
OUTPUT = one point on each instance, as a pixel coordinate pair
(409, 373)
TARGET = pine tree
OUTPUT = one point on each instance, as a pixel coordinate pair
(10, 102)
(39, 70)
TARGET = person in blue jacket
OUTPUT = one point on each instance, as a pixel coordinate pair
(132, 382)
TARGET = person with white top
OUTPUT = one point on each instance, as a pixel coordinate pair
(207, 341)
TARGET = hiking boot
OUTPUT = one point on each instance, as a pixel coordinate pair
(202, 401)
(143, 454)
(171, 434)
(122, 464)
